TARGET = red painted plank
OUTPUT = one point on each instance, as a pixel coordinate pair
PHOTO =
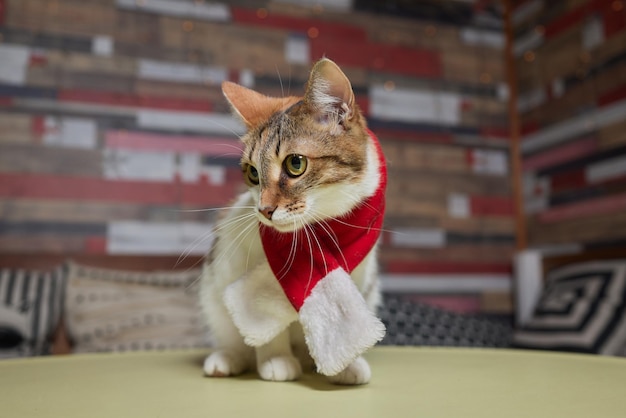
(593, 207)
(38, 126)
(3, 11)
(568, 180)
(559, 155)
(378, 57)
(529, 128)
(313, 27)
(619, 93)
(571, 18)
(434, 267)
(6, 101)
(96, 245)
(491, 206)
(37, 60)
(406, 135)
(403, 60)
(212, 146)
(614, 18)
(66, 187)
(121, 99)
(495, 133)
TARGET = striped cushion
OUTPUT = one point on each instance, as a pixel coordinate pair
(30, 309)
(118, 310)
(582, 309)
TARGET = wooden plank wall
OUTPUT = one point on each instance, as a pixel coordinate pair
(113, 130)
(571, 61)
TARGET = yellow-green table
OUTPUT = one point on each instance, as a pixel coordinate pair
(406, 382)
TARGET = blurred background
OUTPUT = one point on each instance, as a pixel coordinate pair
(113, 129)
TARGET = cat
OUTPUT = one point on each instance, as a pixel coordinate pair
(316, 178)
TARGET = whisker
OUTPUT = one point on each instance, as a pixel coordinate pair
(292, 254)
(236, 241)
(194, 244)
(214, 231)
(333, 237)
(306, 234)
(338, 220)
(228, 128)
(211, 209)
(282, 90)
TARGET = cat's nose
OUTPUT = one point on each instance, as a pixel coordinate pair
(267, 211)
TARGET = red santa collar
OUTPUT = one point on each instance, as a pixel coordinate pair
(337, 243)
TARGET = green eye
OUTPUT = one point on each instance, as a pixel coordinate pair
(295, 165)
(252, 175)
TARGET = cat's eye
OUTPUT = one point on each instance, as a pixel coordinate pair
(295, 165)
(252, 175)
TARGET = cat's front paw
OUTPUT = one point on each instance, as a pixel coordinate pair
(224, 363)
(357, 373)
(280, 369)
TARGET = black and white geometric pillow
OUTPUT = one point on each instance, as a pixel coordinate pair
(582, 309)
(30, 310)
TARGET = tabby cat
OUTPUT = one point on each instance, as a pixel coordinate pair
(291, 280)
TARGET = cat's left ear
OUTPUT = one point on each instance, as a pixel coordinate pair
(330, 93)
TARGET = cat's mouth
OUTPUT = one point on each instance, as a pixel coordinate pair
(281, 225)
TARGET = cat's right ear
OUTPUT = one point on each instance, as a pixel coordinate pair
(330, 92)
(252, 108)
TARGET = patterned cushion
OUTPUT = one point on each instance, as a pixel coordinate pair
(30, 309)
(114, 310)
(411, 323)
(582, 309)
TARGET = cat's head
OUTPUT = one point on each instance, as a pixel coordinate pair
(305, 159)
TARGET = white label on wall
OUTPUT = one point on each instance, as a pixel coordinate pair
(181, 8)
(593, 32)
(181, 72)
(13, 63)
(175, 238)
(297, 50)
(335, 5)
(502, 91)
(418, 237)
(246, 78)
(534, 186)
(176, 121)
(191, 168)
(606, 170)
(122, 164)
(102, 45)
(531, 99)
(535, 204)
(459, 205)
(478, 37)
(408, 105)
(530, 40)
(70, 132)
(492, 162)
(558, 87)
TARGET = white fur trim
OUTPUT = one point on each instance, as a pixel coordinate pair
(258, 306)
(338, 325)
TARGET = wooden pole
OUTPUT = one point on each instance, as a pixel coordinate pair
(521, 232)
